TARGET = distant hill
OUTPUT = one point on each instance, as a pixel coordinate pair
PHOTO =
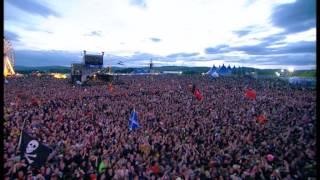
(26, 69)
(184, 69)
(305, 73)
(40, 67)
(50, 69)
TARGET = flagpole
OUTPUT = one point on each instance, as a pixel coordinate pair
(20, 138)
(19, 143)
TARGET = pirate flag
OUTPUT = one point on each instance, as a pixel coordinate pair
(33, 151)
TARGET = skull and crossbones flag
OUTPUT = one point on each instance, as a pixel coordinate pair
(33, 151)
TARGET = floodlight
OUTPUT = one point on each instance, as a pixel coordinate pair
(291, 69)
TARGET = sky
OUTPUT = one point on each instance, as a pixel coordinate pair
(252, 33)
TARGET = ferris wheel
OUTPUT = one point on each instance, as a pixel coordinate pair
(8, 58)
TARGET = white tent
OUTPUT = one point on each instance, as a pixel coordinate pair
(302, 81)
(220, 71)
(214, 74)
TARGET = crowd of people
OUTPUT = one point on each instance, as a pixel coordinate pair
(179, 137)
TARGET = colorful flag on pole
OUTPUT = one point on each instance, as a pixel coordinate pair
(262, 119)
(110, 88)
(33, 151)
(251, 94)
(133, 121)
(198, 94)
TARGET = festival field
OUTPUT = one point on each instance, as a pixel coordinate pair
(160, 127)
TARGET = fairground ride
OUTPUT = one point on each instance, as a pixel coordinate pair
(8, 58)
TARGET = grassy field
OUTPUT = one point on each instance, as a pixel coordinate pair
(308, 73)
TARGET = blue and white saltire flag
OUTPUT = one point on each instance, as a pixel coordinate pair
(133, 121)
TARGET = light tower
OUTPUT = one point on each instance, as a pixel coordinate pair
(151, 66)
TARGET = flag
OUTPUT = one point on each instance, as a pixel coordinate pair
(251, 94)
(33, 151)
(198, 94)
(133, 121)
(262, 119)
(110, 88)
(102, 167)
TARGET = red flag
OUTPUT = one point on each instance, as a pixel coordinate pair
(198, 94)
(262, 119)
(110, 88)
(251, 94)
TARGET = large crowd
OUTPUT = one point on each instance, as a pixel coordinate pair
(179, 137)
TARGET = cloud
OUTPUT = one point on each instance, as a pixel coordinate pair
(143, 56)
(292, 48)
(11, 36)
(179, 55)
(94, 33)
(139, 3)
(33, 7)
(155, 39)
(300, 54)
(252, 50)
(241, 33)
(269, 45)
(298, 47)
(217, 49)
(295, 17)
(273, 38)
(249, 2)
(283, 60)
(298, 60)
(45, 58)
